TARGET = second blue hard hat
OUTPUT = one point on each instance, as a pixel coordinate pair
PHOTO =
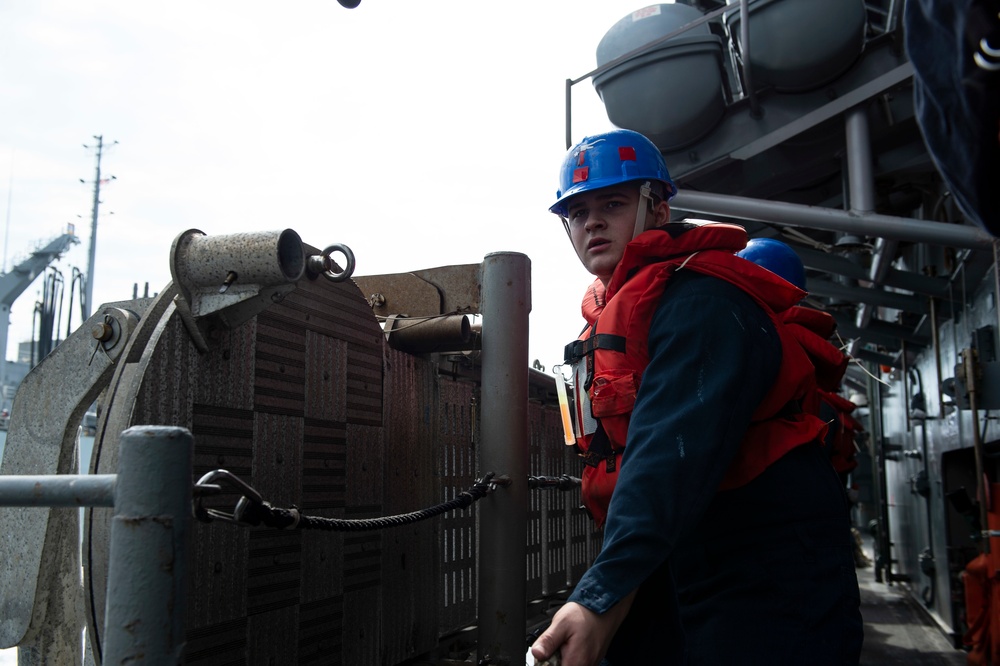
(776, 257)
(607, 159)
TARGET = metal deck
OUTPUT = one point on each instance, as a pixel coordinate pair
(898, 630)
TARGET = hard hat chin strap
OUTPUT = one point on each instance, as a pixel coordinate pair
(645, 204)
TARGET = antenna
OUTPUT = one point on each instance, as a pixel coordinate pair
(88, 300)
(6, 231)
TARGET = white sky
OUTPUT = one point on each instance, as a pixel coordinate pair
(420, 134)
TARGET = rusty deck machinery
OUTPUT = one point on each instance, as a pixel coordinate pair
(345, 398)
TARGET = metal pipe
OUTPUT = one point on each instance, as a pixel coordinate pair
(885, 252)
(425, 335)
(936, 341)
(147, 587)
(264, 258)
(883, 561)
(861, 192)
(861, 181)
(569, 114)
(75, 490)
(832, 219)
(503, 515)
(969, 366)
(906, 385)
(745, 57)
(996, 279)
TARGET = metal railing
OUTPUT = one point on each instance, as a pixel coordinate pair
(151, 496)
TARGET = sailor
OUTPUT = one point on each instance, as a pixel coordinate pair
(725, 528)
(814, 329)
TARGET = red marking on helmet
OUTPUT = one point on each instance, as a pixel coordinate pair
(579, 158)
(626, 153)
(580, 175)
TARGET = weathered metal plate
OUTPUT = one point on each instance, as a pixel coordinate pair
(292, 402)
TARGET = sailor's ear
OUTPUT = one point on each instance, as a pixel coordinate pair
(661, 213)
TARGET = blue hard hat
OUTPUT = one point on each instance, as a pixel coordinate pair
(607, 159)
(777, 257)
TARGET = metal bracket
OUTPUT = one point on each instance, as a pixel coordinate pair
(35, 603)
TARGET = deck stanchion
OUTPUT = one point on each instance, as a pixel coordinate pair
(144, 619)
(503, 515)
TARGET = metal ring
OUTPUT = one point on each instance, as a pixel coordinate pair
(348, 257)
(983, 63)
(987, 49)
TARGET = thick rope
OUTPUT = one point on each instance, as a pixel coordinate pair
(278, 518)
(253, 511)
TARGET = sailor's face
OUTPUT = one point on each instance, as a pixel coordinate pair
(601, 223)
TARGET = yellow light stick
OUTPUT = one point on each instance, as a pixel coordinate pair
(567, 422)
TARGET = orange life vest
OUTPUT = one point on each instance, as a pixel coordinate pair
(843, 453)
(982, 594)
(813, 329)
(612, 353)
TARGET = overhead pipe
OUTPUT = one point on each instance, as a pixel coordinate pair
(832, 219)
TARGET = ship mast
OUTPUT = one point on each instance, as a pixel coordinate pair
(88, 299)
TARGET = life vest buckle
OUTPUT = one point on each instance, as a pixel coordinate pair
(594, 459)
(591, 458)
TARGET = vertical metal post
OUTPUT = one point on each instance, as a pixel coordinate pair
(996, 279)
(144, 619)
(569, 114)
(861, 187)
(905, 370)
(503, 515)
(860, 175)
(883, 555)
(745, 53)
(936, 344)
(970, 370)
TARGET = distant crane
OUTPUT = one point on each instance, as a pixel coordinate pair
(19, 278)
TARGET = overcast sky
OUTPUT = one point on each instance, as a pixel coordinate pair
(420, 134)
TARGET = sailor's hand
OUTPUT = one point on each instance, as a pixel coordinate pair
(579, 635)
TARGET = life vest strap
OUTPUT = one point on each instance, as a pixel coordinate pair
(578, 349)
(600, 450)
